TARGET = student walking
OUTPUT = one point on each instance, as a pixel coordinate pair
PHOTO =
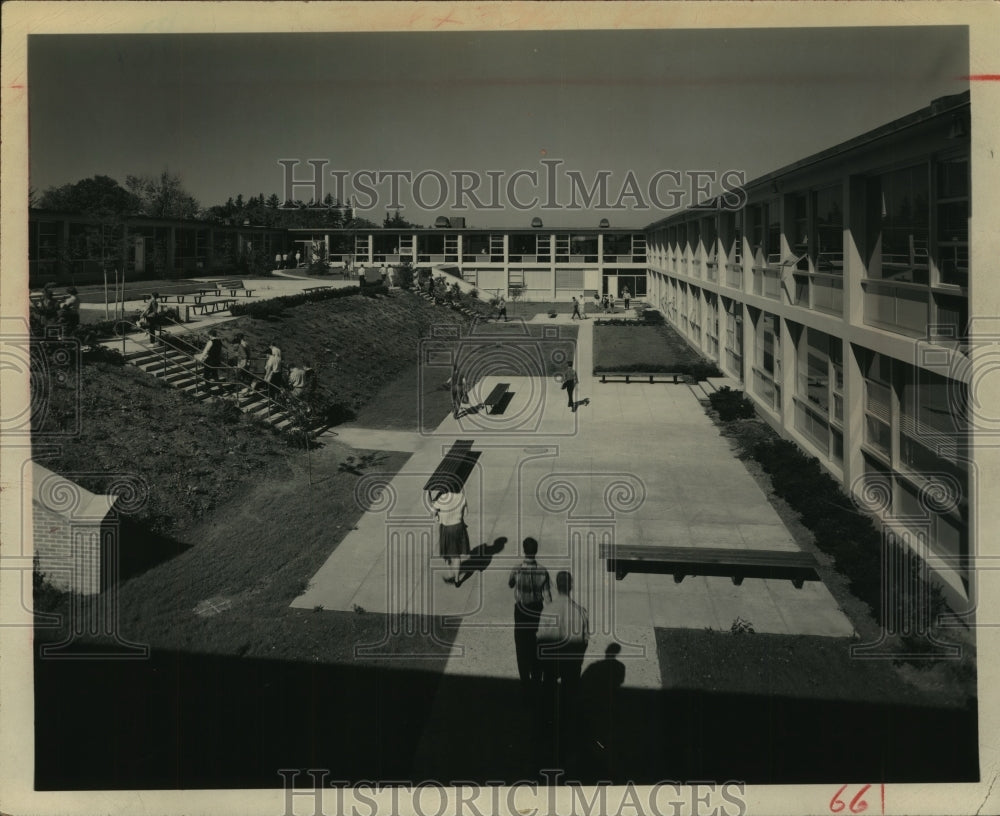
(626, 296)
(576, 310)
(459, 390)
(532, 588)
(150, 317)
(502, 308)
(569, 383)
(272, 367)
(611, 303)
(244, 359)
(449, 509)
(211, 356)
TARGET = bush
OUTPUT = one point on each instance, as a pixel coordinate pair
(731, 404)
(405, 275)
(263, 309)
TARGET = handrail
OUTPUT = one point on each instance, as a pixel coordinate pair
(271, 402)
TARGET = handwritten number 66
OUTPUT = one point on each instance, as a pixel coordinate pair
(857, 805)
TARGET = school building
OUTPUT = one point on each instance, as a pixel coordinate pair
(838, 295)
(835, 291)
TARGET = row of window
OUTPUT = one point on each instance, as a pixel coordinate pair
(912, 233)
(915, 429)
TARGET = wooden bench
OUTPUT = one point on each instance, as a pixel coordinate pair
(798, 567)
(454, 469)
(213, 306)
(629, 375)
(498, 398)
(231, 285)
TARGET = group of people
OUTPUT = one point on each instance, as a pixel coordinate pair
(299, 380)
(50, 310)
(606, 303)
(283, 260)
(551, 631)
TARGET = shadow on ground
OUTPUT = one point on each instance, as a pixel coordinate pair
(182, 720)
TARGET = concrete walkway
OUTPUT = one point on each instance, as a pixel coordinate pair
(638, 463)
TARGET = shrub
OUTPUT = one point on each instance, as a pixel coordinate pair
(731, 404)
(405, 275)
(263, 309)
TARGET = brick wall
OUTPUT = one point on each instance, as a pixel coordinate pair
(70, 528)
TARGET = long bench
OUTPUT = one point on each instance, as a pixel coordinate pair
(798, 567)
(628, 376)
(213, 306)
(499, 398)
(454, 469)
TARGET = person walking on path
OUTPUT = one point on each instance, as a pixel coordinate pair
(449, 509)
(502, 308)
(150, 317)
(532, 588)
(277, 260)
(569, 383)
(244, 359)
(459, 390)
(563, 635)
(211, 356)
(576, 310)
(272, 367)
(626, 296)
(611, 303)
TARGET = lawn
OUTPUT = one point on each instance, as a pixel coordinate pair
(642, 348)
(193, 455)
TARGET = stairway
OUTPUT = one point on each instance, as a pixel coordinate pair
(180, 371)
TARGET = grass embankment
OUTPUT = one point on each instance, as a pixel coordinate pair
(195, 455)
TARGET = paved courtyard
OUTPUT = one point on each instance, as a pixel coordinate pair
(637, 463)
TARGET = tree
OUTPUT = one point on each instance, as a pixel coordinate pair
(273, 202)
(163, 196)
(100, 197)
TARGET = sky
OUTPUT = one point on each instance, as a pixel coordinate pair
(222, 110)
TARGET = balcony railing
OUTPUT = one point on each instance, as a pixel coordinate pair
(734, 275)
(897, 306)
(767, 281)
(828, 293)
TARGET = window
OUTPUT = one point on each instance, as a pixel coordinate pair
(476, 246)
(878, 404)
(767, 353)
(583, 248)
(569, 280)
(953, 222)
(828, 221)
(904, 228)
